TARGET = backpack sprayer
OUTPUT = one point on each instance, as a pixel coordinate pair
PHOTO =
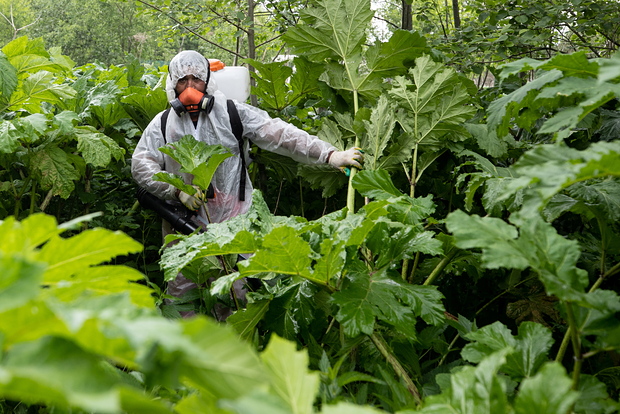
(232, 81)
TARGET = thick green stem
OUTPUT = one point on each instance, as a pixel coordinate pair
(439, 268)
(414, 172)
(353, 171)
(384, 349)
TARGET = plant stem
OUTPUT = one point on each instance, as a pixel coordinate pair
(414, 167)
(576, 341)
(33, 196)
(439, 268)
(383, 348)
(350, 190)
(596, 285)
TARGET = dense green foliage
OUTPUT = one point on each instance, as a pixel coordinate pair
(473, 269)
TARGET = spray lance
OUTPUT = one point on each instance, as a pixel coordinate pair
(179, 217)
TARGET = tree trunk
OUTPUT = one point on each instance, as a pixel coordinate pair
(456, 13)
(251, 45)
(406, 17)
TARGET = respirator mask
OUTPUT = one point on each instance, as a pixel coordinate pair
(192, 100)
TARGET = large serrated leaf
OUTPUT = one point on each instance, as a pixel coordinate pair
(97, 149)
(289, 376)
(28, 368)
(66, 257)
(531, 346)
(52, 167)
(538, 246)
(534, 395)
(8, 80)
(364, 298)
(435, 102)
(282, 251)
(38, 88)
(197, 158)
(473, 390)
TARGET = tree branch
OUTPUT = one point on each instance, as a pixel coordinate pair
(190, 30)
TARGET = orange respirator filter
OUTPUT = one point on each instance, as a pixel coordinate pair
(191, 98)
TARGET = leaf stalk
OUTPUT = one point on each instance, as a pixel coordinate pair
(384, 349)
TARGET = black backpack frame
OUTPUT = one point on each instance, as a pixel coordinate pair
(237, 130)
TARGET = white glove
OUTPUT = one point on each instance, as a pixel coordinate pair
(352, 157)
(193, 202)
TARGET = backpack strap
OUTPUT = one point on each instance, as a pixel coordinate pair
(237, 130)
(164, 121)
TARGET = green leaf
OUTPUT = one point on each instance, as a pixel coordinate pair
(575, 64)
(19, 281)
(435, 102)
(609, 68)
(21, 238)
(30, 56)
(326, 178)
(591, 95)
(506, 107)
(197, 158)
(51, 166)
(539, 246)
(378, 133)
(176, 181)
(410, 211)
(545, 170)
(38, 88)
(65, 257)
(271, 86)
(143, 103)
(97, 149)
(105, 280)
(534, 395)
(8, 81)
(473, 390)
(245, 320)
(495, 236)
(289, 376)
(9, 137)
(215, 360)
(531, 346)
(362, 298)
(28, 368)
(488, 141)
(304, 80)
(375, 184)
(325, 36)
(282, 251)
(593, 397)
(332, 260)
(349, 408)
(392, 57)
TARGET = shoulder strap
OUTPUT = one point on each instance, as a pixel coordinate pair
(164, 121)
(237, 130)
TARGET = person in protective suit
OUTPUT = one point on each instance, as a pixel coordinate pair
(200, 110)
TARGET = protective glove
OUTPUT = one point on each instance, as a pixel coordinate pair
(193, 202)
(353, 157)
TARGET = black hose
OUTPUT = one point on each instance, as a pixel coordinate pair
(178, 217)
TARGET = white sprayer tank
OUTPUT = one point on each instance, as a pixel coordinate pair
(232, 81)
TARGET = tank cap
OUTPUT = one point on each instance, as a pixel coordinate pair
(216, 64)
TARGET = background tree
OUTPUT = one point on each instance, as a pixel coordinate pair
(15, 19)
(97, 31)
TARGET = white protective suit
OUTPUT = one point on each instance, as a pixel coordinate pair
(265, 132)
